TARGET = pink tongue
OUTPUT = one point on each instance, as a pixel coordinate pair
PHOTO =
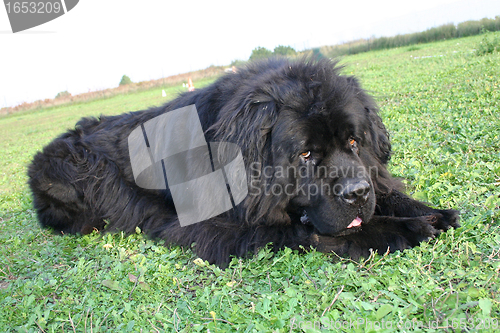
(355, 223)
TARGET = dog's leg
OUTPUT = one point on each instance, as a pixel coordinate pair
(218, 239)
(381, 234)
(400, 205)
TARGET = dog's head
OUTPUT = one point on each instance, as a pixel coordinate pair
(314, 145)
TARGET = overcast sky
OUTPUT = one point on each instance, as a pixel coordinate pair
(97, 42)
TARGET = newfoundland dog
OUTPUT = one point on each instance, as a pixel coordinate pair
(314, 151)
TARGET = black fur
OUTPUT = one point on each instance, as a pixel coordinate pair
(275, 111)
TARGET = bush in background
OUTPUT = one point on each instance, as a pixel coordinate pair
(237, 63)
(260, 53)
(281, 50)
(63, 94)
(125, 80)
(488, 45)
(445, 31)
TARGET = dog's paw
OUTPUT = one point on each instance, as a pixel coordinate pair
(420, 229)
(446, 219)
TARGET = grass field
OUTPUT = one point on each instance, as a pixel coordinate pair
(440, 102)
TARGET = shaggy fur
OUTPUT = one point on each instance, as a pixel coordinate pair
(301, 115)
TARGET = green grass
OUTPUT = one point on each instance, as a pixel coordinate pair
(443, 116)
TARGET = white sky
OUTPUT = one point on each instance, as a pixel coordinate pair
(97, 42)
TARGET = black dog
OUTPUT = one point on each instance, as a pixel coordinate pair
(315, 152)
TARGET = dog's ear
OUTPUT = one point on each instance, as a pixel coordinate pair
(249, 124)
(379, 136)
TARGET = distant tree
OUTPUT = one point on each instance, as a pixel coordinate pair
(284, 50)
(63, 94)
(260, 53)
(125, 80)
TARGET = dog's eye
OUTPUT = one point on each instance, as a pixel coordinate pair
(354, 145)
(306, 155)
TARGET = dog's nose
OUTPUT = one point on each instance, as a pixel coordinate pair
(357, 192)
